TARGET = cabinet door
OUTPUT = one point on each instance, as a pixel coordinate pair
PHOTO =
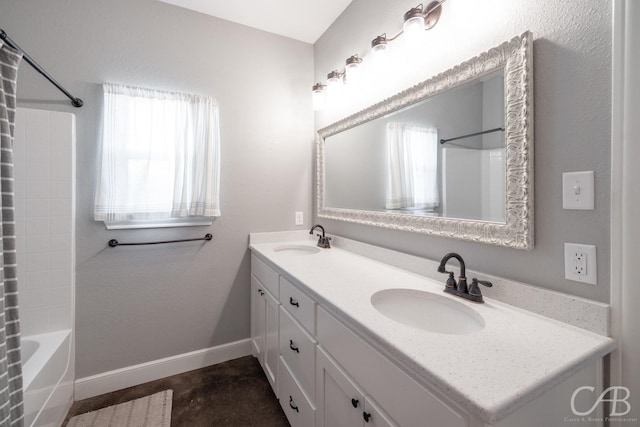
(375, 417)
(258, 319)
(339, 401)
(271, 339)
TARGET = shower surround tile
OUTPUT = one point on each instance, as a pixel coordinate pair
(45, 181)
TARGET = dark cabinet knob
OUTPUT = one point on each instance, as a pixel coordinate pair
(366, 416)
(292, 347)
(354, 402)
(293, 302)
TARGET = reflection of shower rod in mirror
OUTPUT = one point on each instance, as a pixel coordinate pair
(442, 141)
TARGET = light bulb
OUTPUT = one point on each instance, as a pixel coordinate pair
(335, 87)
(379, 47)
(414, 23)
(334, 79)
(318, 97)
(352, 69)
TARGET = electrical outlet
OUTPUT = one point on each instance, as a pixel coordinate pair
(580, 263)
(299, 218)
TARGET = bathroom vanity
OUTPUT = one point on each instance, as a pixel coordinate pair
(335, 339)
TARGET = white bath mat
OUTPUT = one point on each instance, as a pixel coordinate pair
(150, 411)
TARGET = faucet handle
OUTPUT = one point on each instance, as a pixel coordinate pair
(323, 242)
(474, 289)
(451, 281)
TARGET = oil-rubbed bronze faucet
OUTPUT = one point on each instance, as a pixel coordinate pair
(323, 242)
(460, 288)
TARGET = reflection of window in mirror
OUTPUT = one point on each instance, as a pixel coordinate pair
(412, 168)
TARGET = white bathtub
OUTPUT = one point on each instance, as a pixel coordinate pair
(48, 389)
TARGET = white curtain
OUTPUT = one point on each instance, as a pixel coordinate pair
(412, 167)
(160, 156)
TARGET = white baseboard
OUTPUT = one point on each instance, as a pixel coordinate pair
(118, 379)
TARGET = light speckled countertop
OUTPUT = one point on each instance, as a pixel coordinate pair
(516, 357)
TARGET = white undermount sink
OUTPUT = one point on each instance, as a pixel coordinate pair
(427, 311)
(297, 249)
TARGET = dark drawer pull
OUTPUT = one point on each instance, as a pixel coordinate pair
(293, 302)
(354, 402)
(296, 349)
(294, 407)
(366, 416)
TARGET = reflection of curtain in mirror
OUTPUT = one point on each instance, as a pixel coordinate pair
(412, 165)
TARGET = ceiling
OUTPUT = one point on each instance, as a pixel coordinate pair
(304, 20)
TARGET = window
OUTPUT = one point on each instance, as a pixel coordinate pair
(412, 167)
(160, 159)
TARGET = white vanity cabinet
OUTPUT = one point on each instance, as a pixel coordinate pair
(265, 318)
(311, 360)
(328, 371)
(283, 322)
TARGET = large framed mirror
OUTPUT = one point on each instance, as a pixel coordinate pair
(451, 156)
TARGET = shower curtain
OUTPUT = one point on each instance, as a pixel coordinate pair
(11, 410)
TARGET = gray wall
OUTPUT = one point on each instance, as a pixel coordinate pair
(572, 73)
(139, 304)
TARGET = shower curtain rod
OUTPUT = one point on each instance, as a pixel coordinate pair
(76, 102)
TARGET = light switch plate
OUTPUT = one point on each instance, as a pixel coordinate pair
(580, 263)
(299, 218)
(578, 190)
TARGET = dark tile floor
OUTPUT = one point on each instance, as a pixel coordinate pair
(234, 393)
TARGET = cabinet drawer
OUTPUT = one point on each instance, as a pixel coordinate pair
(265, 274)
(398, 394)
(298, 304)
(297, 408)
(297, 348)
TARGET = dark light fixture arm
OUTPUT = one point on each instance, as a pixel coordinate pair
(76, 102)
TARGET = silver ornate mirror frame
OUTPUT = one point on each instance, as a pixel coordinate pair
(516, 57)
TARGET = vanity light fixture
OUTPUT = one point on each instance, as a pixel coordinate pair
(353, 68)
(379, 45)
(335, 87)
(318, 96)
(334, 78)
(416, 20)
(413, 21)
